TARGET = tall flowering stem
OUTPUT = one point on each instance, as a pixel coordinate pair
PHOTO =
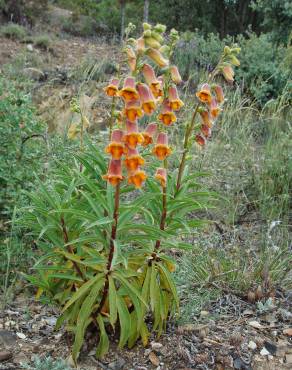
(111, 248)
(188, 133)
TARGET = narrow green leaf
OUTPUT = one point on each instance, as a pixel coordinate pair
(82, 290)
(125, 321)
(103, 344)
(112, 301)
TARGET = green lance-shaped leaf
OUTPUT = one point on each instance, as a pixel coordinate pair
(168, 278)
(82, 290)
(125, 321)
(84, 317)
(103, 344)
(112, 301)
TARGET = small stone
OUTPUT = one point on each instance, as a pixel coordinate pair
(288, 359)
(204, 313)
(264, 352)
(117, 365)
(156, 346)
(288, 332)
(252, 345)
(21, 335)
(271, 347)
(154, 359)
(30, 48)
(255, 324)
(7, 339)
(5, 355)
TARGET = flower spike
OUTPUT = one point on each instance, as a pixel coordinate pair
(116, 147)
(114, 174)
(112, 88)
(129, 92)
(161, 149)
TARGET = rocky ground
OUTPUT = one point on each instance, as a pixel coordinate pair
(232, 334)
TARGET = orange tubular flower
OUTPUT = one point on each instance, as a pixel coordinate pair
(132, 137)
(219, 93)
(129, 92)
(149, 133)
(206, 131)
(133, 110)
(174, 100)
(161, 149)
(140, 45)
(116, 147)
(112, 88)
(157, 57)
(133, 160)
(137, 178)
(175, 75)
(204, 95)
(206, 118)
(167, 116)
(161, 176)
(147, 99)
(214, 108)
(151, 80)
(114, 174)
(132, 60)
(200, 140)
(228, 73)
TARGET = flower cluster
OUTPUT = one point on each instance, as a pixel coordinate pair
(143, 94)
(211, 99)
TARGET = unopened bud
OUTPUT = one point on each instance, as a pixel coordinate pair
(146, 26)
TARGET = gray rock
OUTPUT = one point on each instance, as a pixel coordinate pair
(118, 364)
(8, 340)
(30, 48)
(5, 355)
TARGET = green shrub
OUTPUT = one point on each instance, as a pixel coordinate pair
(13, 31)
(79, 25)
(22, 145)
(43, 41)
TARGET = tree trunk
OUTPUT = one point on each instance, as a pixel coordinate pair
(123, 13)
(146, 10)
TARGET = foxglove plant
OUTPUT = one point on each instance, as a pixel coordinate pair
(107, 262)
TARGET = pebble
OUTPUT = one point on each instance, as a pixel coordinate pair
(264, 352)
(156, 346)
(5, 355)
(252, 345)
